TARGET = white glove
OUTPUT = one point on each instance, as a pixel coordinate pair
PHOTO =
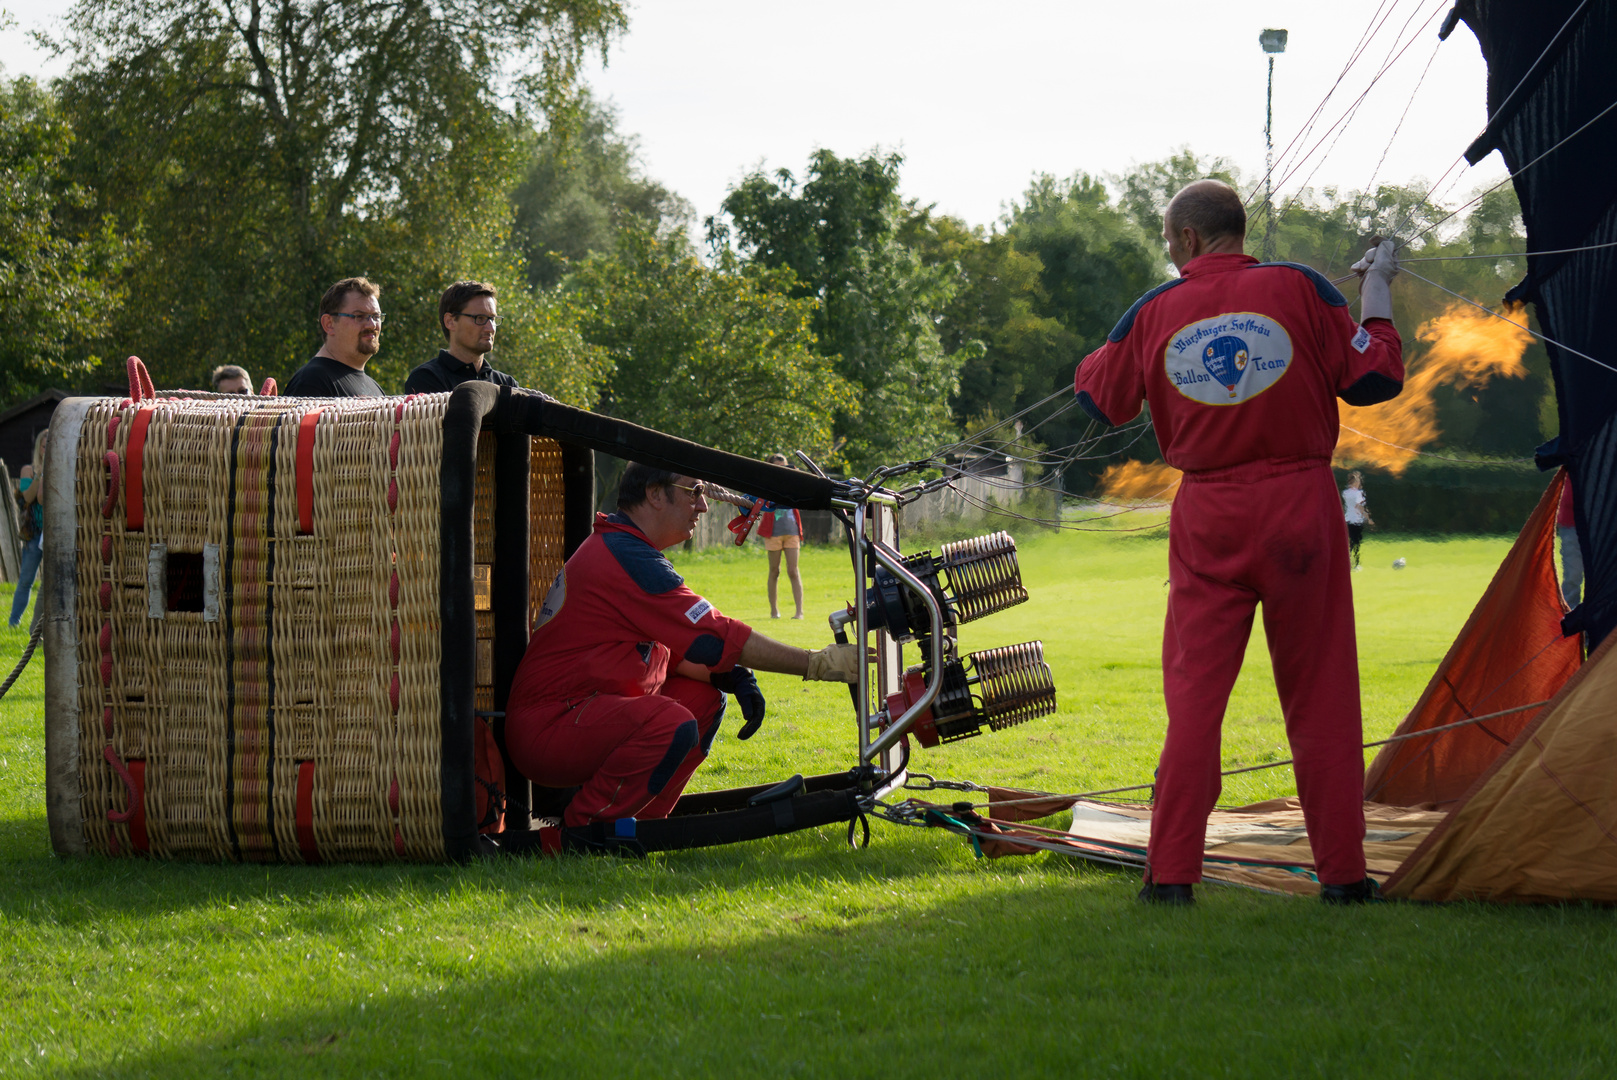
(834, 663)
(1376, 271)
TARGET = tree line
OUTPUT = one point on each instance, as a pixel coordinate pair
(207, 167)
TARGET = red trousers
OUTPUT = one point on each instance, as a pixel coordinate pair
(1263, 533)
(633, 755)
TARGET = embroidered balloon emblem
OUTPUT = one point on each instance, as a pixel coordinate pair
(1226, 360)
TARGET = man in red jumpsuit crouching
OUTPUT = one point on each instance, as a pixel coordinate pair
(622, 688)
(1241, 363)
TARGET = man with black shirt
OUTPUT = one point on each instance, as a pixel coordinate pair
(351, 319)
(468, 315)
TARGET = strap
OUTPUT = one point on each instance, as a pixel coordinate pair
(305, 813)
(134, 463)
(305, 470)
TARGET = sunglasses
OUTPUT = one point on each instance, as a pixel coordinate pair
(699, 491)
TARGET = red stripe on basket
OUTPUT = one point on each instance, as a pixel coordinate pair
(137, 821)
(111, 757)
(306, 471)
(134, 462)
(305, 813)
(113, 471)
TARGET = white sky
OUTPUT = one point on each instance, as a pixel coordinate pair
(980, 97)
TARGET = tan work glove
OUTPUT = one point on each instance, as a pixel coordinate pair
(834, 663)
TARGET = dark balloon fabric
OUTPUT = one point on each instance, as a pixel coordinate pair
(1550, 75)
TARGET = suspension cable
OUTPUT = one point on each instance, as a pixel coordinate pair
(1513, 322)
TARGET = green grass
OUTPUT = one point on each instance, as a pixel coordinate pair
(797, 956)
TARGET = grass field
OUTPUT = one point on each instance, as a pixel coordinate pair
(797, 956)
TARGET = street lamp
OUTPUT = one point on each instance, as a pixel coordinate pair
(1273, 41)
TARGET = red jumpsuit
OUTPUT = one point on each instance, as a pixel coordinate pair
(1241, 363)
(593, 702)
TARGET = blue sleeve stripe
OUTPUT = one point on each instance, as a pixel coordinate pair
(1126, 323)
(643, 563)
(1322, 284)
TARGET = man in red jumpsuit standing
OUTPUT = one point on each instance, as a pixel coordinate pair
(1241, 363)
(622, 688)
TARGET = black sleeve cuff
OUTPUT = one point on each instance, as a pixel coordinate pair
(1372, 389)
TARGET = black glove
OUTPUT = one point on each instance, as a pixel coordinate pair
(740, 684)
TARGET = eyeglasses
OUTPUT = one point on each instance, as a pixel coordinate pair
(698, 492)
(361, 317)
(480, 320)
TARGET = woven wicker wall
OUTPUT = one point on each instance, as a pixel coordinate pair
(294, 715)
(547, 520)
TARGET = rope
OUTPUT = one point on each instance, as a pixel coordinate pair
(1513, 322)
(36, 630)
(1365, 37)
(1341, 123)
(1509, 254)
(1049, 796)
(1512, 176)
(1370, 185)
(1440, 457)
(1519, 84)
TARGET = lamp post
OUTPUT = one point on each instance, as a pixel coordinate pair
(1273, 41)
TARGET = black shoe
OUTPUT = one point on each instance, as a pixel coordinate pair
(1360, 892)
(1170, 895)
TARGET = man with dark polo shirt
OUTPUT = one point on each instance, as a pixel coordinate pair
(468, 315)
(351, 319)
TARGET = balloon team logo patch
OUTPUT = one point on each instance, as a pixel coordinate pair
(1227, 359)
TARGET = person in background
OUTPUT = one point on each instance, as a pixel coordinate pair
(1571, 554)
(231, 379)
(782, 533)
(351, 319)
(781, 530)
(30, 490)
(1357, 513)
(468, 314)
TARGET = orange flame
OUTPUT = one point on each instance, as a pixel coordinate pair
(1465, 347)
(1139, 481)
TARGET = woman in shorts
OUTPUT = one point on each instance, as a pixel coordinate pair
(782, 532)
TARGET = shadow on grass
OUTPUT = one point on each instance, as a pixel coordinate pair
(95, 890)
(1054, 973)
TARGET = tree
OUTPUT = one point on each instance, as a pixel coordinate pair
(273, 146)
(1145, 190)
(583, 186)
(721, 355)
(839, 233)
(58, 287)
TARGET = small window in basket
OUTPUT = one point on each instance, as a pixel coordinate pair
(185, 585)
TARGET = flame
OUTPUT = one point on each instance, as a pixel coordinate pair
(1465, 347)
(1139, 481)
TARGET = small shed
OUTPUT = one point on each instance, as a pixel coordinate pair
(21, 424)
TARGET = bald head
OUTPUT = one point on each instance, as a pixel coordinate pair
(1206, 216)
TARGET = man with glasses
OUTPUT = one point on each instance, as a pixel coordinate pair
(468, 316)
(351, 319)
(622, 687)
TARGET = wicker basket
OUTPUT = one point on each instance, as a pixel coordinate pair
(283, 629)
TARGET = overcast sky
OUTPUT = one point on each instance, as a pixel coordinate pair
(981, 97)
